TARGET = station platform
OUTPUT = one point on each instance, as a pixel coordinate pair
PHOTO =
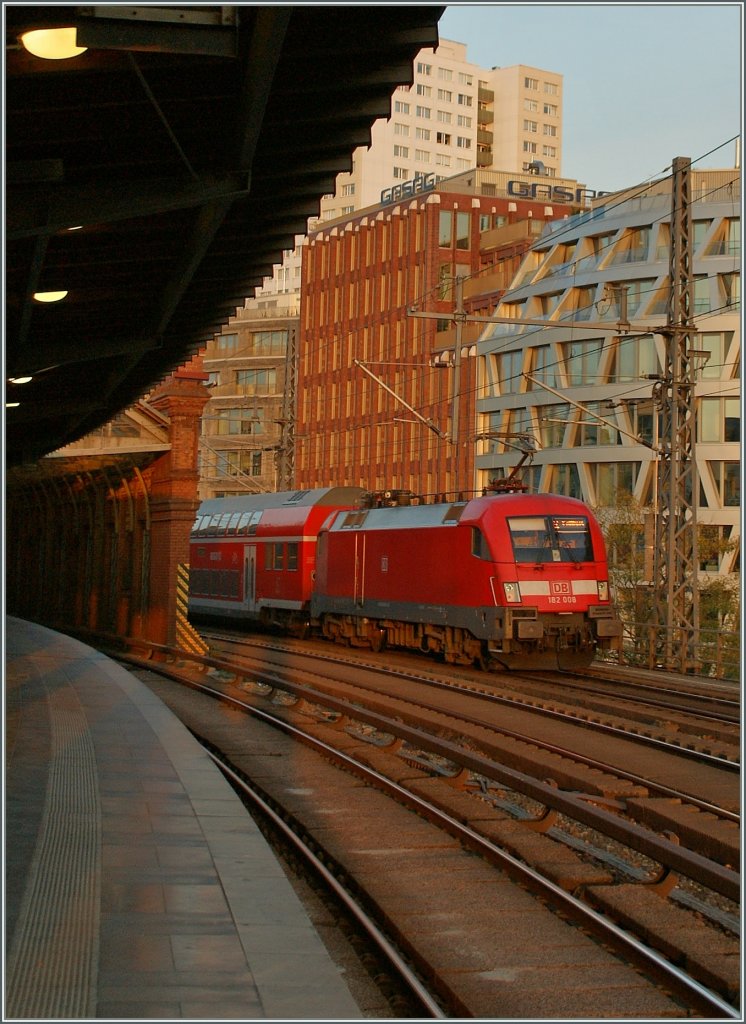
(137, 886)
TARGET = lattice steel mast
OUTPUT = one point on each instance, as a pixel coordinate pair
(676, 551)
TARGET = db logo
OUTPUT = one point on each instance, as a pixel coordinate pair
(559, 589)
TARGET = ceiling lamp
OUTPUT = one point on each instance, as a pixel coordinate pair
(19, 380)
(52, 43)
(49, 296)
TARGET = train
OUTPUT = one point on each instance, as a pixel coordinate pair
(502, 580)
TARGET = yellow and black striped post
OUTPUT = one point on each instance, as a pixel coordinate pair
(187, 636)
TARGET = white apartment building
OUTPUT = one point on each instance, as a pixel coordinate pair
(531, 375)
(456, 116)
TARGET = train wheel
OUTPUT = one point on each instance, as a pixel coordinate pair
(484, 660)
(377, 639)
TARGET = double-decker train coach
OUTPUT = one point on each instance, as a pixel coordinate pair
(252, 557)
(511, 579)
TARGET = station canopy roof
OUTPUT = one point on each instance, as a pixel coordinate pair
(156, 177)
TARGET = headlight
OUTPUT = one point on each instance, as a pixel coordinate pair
(603, 590)
(512, 593)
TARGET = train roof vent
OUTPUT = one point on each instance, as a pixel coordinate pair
(297, 497)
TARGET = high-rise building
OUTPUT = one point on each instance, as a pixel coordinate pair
(563, 373)
(247, 424)
(456, 116)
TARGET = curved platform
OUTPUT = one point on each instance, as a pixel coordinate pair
(137, 886)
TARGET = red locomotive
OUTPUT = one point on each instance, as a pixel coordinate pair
(512, 579)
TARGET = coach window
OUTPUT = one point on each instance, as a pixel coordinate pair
(279, 560)
(195, 528)
(223, 524)
(212, 529)
(292, 559)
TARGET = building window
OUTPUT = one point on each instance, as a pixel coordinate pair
(463, 226)
(400, 107)
(530, 126)
(423, 112)
(730, 286)
(463, 165)
(348, 190)
(550, 129)
(714, 344)
(401, 173)
(564, 479)
(443, 138)
(719, 420)
(464, 79)
(509, 369)
(257, 382)
(269, 343)
(424, 90)
(424, 69)
(551, 88)
(701, 294)
(610, 479)
(445, 94)
(422, 155)
(532, 105)
(542, 367)
(227, 342)
(727, 477)
(549, 150)
(401, 129)
(422, 133)
(462, 142)
(401, 151)
(531, 83)
(442, 160)
(552, 423)
(529, 147)
(463, 121)
(581, 362)
(551, 108)
(445, 74)
(464, 100)
(445, 228)
(634, 358)
(444, 117)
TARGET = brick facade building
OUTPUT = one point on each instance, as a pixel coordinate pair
(384, 361)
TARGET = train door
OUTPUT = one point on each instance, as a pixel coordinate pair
(359, 581)
(249, 577)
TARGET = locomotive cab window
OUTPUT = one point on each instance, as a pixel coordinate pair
(550, 538)
(479, 546)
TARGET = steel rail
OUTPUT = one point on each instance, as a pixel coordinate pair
(634, 737)
(702, 999)
(392, 955)
(687, 862)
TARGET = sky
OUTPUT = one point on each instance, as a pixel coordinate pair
(643, 83)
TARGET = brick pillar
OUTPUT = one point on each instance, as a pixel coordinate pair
(174, 498)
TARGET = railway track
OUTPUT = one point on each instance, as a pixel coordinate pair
(601, 890)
